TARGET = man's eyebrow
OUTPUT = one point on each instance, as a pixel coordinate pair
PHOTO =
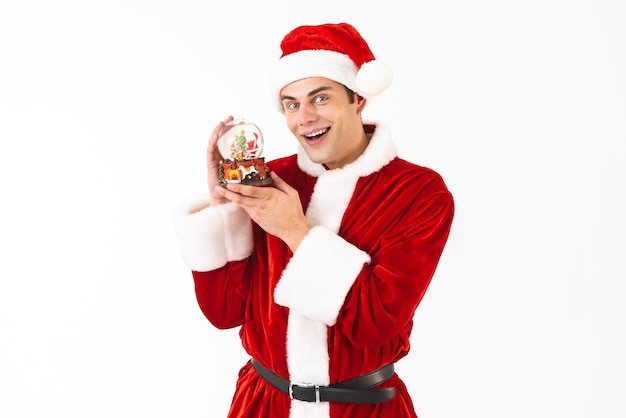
(311, 93)
(317, 90)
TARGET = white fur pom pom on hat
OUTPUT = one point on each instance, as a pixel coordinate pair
(373, 78)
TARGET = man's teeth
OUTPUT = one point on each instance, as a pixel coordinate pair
(318, 133)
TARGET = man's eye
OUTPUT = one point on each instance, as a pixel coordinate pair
(320, 99)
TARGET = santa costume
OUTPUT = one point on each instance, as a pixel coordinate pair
(340, 306)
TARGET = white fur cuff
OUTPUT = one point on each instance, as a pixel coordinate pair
(210, 236)
(319, 275)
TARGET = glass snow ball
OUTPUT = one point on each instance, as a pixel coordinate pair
(240, 140)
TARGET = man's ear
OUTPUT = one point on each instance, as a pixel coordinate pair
(361, 102)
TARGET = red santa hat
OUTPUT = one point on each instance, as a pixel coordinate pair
(334, 51)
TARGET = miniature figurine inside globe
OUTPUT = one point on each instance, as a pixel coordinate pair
(241, 145)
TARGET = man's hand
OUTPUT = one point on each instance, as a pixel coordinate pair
(276, 209)
(213, 158)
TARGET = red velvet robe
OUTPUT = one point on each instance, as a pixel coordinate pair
(343, 304)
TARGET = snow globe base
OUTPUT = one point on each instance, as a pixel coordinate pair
(251, 172)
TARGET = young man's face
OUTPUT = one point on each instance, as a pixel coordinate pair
(324, 119)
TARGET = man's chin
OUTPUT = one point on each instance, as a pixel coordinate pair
(317, 158)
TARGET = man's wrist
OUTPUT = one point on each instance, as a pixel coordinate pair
(296, 236)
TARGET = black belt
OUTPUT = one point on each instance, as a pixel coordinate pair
(355, 390)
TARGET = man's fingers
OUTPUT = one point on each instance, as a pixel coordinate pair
(243, 195)
(250, 191)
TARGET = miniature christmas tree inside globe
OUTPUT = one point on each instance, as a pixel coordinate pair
(241, 145)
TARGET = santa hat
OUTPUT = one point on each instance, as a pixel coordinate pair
(334, 51)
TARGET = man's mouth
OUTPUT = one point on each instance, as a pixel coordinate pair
(315, 135)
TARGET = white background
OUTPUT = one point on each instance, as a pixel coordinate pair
(105, 108)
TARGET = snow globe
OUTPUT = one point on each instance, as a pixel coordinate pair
(241, 144)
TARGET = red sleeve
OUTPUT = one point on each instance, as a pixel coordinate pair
(222, 293)
(405, 246)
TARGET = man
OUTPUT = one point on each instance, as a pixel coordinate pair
(322, 271)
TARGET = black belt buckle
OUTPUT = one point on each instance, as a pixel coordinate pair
(304, 386)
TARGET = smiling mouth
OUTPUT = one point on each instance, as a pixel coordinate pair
(314, 135)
